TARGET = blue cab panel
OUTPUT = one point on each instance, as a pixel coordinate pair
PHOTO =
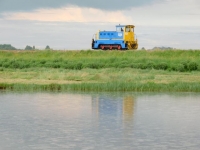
(108, 39)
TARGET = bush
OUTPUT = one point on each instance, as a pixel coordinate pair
(48, 64)
(43, 62)
(56, 65)
(14, 64)
(78, 66)
(150, 65)
(94, 65)
(6, 64)
(123, 64)
(68, 65)
(185, 64)
(139, 66)
(1, 63)
(161, 66)
(179, 67)
(192, 66)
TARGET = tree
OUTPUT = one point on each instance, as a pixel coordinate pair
(33, 47)
(7, 47)
(47, 47)
(28, 47)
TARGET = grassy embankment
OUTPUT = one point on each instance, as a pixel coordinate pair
(176, 70)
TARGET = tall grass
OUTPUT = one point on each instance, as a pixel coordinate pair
(169, 70)
(110, 86)
(171, 60)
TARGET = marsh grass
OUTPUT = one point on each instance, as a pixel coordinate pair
(171, 60)
(117, 86)
(171, 70)
(108, 79)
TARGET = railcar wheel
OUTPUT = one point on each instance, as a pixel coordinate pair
(102, 47)
(119, 47)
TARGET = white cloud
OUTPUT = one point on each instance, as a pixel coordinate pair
(111, 5)
(168, 13)
(70, 14)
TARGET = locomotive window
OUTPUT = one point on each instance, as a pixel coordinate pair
(127, 29)
(118, 29)
(132, 30)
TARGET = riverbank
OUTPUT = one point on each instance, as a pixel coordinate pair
(178, 70)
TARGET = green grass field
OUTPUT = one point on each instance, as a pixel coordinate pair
(169, 70)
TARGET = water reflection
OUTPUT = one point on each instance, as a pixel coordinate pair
(120, 109)
(99, 121)
(128, 109)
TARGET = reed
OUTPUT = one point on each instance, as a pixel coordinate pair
(171, 60)
(118, 86)
(169, 70)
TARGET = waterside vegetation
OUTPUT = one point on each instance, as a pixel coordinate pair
(169, 70)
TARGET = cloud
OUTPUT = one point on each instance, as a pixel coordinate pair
(152, 15)
(28, 5)
(167, 14)
(73, 14)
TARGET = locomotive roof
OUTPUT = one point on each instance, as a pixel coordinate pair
(131, 26)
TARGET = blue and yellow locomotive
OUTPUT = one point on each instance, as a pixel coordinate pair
(122, 39)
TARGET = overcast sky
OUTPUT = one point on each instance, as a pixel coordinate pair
(70, 24)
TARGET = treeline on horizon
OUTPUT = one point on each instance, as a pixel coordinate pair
(170, 60)
(10, 47)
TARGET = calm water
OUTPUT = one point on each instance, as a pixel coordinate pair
(100, 121)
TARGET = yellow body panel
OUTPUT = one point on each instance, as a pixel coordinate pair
(129, 37)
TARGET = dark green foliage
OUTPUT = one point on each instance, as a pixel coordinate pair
(47, 47)
(7, 47)
(138, 65)
(78, 66)
(150, 65)
(161, 66)
(185, 64)
(94, 65)
(28, 47)
(42, 62)
(179, 67)
(6, 65)
(192, 66)
(77, 60)
(123, 64)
